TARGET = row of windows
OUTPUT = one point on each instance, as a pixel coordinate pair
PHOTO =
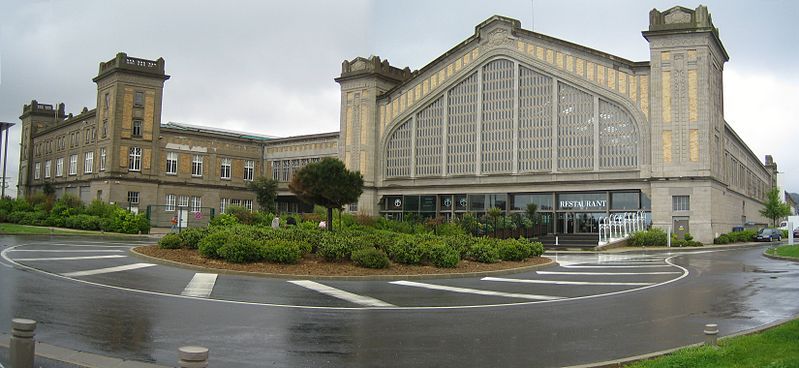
(88, 165)
(183, 201)
(59, 143)
(283, 170)
(225, 203)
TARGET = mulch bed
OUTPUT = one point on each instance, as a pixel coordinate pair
(313, 265)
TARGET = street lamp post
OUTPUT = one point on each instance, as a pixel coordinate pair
(4, 128)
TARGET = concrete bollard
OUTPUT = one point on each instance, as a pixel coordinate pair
(193, 357)
(711, 334)
(21, 346)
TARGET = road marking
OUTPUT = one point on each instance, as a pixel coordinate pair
(341, 294)
(88, 245)
(67, 258)
(620, 266)
(201, 285)
(108, 270)
(68, 250)
(474, 291)
(523, 281)
(604, 273)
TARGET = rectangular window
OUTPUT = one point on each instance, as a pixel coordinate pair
(107, 101)
(104, 131)
(73, 164)
(88, 163)
(87, 134)
(133, 197)
(136, 128)
(171, 163)
(235, 202)
(681, 203)
(247, 203)
(225, 168)
(183, 201)
(37, 171)
(47, 166)
(138, 99)
(197, 165)
(134, 159)
(249, 169)
(276, 170)
(223, 203)
(170, 203)
(196, 203)
(102, 159)
(59, 167)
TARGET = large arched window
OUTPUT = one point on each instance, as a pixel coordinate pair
(507, 118)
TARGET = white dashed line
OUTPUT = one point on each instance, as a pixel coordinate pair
(605, 273)
(620, 266)
(68, 250)
(474, 291)
(201, 285)
(67, 258)
(556, 282)
(108, 270)
(341, 294)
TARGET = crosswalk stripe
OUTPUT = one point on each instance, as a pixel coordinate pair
(474, 291)
(67, 258)
(620, 266)
(605, 273)
(201, 285)
(108, 270)
(556, 282)
(341, 294)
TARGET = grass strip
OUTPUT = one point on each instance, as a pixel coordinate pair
(15, 229)
(774, 348)
(785, 251)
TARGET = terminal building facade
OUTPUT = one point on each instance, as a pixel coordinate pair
(505, 118)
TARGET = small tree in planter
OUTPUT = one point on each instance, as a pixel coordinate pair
(327, 183)
(532, 213)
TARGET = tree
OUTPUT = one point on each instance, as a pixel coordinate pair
(265, 193)
(327, 183)
(531, 213)
(775, 208)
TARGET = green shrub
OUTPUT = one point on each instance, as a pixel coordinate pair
(240, 249)
(407, 250)
(281, 251)
(223, 220)
(370, 258)
(190, 237)
(532, 249)
(334, 248)
(742, 236)
(442, 255)
(462, 243)
(210, 244)
(485, 251)
(648, 238)
(82, 222)
(688, 237)
(512, 250)
(449, 229)
(169, 241)
(722, 239)
(380, 239)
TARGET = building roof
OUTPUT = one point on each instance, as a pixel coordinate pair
(224, 132)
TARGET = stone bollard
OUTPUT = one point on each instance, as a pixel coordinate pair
(193, 357)
(711, 334)
(21, 346)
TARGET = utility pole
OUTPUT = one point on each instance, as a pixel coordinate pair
(4, 128)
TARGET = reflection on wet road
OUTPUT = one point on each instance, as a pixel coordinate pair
(588, 308)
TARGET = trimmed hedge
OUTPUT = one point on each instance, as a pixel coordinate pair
(370, 258)
(281, 251)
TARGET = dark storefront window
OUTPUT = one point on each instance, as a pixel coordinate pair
(411, 204)
(519, 201)
(427, 204)
(624, 201)
(497, 200)
(477, 202)
(461, 203)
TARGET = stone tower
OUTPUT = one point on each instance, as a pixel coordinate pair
(129, 95)
(362, 82)
(35, 117)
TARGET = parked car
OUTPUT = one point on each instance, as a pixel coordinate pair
(796, 233)
(769, 235)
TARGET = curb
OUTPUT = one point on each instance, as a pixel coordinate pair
(661, 249)
(779, 258)
(616, 363)
(345, 278)
(80, 358)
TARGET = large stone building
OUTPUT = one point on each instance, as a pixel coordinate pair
(505, 118)
(510, 117)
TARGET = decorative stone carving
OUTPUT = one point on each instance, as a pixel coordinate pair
(677, 16)
(499, 38)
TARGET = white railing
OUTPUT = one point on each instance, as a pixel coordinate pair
(620, 225)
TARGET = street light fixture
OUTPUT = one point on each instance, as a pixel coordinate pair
(4, 128)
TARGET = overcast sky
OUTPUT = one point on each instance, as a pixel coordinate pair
(268, 67)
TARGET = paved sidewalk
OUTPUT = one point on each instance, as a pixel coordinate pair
(50, 356)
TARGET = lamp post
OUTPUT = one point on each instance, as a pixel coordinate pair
(4, 128)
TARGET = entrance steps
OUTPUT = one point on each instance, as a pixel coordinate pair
(569, 241)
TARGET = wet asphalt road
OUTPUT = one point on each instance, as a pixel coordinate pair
(656, 306)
